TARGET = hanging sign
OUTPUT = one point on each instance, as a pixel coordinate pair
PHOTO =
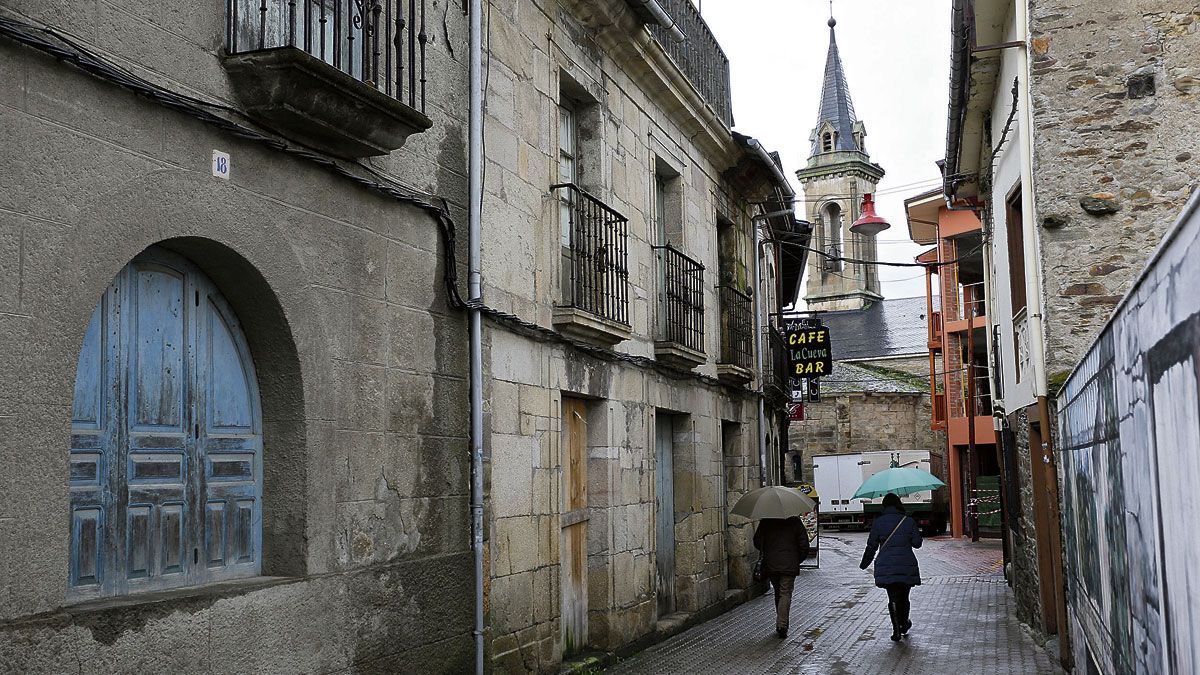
(809, 348)
(796, 412)
(814, 390)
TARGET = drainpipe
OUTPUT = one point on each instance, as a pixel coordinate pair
(475, 295)
(660, 15)
(758, 357)
(1033, 291)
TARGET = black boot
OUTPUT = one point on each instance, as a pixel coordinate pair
(905, 622)
(892, 612)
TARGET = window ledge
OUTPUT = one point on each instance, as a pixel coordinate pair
(207, 592)
(303, 97)
(675, 354)
(733, 374)
(576, 323)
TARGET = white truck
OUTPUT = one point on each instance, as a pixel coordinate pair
(837, 477)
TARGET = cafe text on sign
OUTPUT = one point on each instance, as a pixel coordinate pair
(810, 352)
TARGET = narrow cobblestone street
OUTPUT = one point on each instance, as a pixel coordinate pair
(962, 614)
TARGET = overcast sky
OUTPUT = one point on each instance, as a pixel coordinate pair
(896, 54)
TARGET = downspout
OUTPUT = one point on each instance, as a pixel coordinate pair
(660, 15)
(1033, 292)
(788, 201)
(475, 295)
(758, 356)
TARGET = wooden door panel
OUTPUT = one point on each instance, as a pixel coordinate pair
(664, 521)
(165, 459)
(573, 540)
(156, 350)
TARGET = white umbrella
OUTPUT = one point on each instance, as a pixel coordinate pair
(773, 501)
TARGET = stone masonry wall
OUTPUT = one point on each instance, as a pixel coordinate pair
(1025, 574)
(361, 364)
(1116, 86)
(861, 422)
(544, 54)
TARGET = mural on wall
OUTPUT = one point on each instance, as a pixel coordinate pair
(1129, 429)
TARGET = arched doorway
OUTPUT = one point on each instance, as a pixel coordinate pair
(166, 444)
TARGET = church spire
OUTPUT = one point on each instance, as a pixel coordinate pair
(835, 130)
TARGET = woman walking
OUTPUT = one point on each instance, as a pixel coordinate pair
(894, 535)
(784, 545)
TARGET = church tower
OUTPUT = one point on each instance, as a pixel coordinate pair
(838, 173)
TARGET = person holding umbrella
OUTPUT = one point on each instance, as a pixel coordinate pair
(782, 539)
(894, 536)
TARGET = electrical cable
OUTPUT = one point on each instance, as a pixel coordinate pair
(68, 51)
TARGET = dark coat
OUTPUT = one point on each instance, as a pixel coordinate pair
(896, 563)
(784, 543)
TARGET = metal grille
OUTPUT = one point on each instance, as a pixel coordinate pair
(700, 56)
(598, 256)
(737, 327)
(380, 42)
(776, 374)
(682, 287)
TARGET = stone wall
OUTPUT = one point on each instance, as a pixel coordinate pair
(634, 121)
(1115, 87)
(1024, 552)
(861, 422)
(361, 364)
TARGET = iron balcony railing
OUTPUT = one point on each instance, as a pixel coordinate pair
(682, 286)
(379, 42)
(598, 256)
(699, 56)
(737, 327)
(776, 376)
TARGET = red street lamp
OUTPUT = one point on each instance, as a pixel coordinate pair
(869, 223)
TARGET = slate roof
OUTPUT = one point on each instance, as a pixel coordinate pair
(849, 378)
(836, 106)
(895, 327)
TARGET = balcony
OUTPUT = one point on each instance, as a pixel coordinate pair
(681, 321)
(777, 385)
(595, 303)
(699, 57)
(344, 76)
(737, 336)
(970, 309)
(939, 412)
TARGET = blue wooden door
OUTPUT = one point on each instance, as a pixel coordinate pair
(166, 470)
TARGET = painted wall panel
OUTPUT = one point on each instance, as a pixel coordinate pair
(1129, 429)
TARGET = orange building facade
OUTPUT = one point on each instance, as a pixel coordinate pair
(958, 363)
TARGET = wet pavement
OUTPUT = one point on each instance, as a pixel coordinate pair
(963, 622)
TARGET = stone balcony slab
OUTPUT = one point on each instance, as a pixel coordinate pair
(302, 97)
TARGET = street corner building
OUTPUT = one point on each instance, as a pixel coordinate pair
(633, 242)
(233, 410)
(235, 417)
(1070, 152)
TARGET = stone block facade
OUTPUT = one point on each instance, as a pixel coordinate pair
(1115, 90)
(337, 287)
(634, 124)
(850, 422)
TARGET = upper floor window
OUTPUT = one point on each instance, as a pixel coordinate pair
(828, 139)
(668, 203)
(831, 224)
(166, 437)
